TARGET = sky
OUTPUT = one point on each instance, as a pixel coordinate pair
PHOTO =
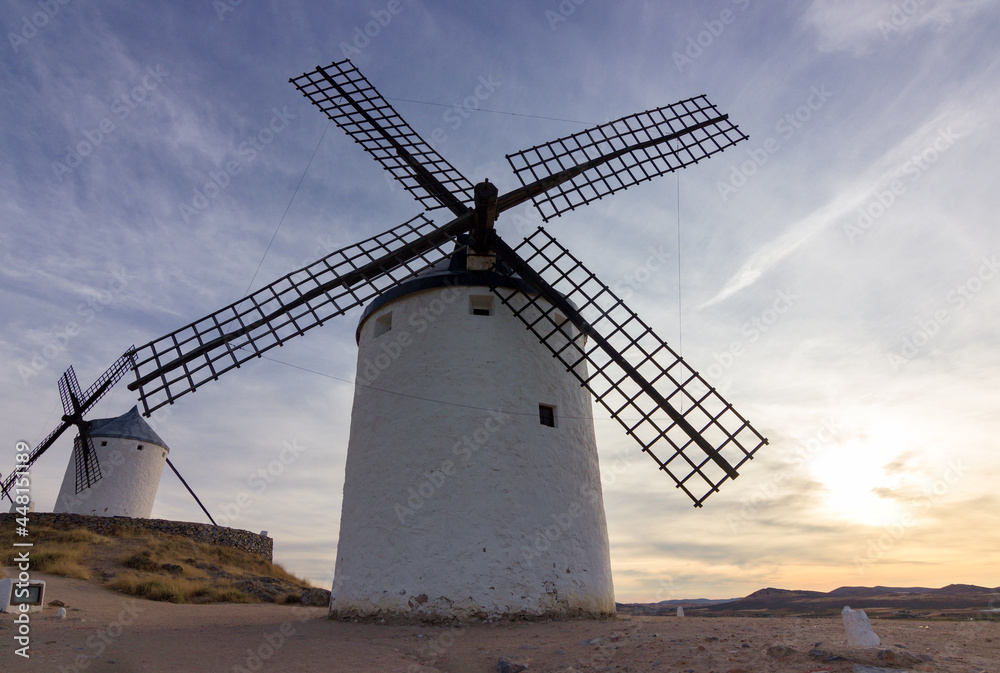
(835, 276)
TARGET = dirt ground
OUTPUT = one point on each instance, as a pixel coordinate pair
(107, 632)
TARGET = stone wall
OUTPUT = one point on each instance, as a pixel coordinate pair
(259, 545)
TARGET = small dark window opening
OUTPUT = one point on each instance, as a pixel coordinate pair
(547, 415)
(139, 447)
(383, 324)
(104, 443)
(480, 304)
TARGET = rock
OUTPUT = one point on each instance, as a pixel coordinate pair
(680, 610)
(903, 658)
(61, 613)
(172, 568)
(858, 668)
(826, 657)
(779, 651)
(859, 629)
(319, 598)
(56, 604)
(505, 665)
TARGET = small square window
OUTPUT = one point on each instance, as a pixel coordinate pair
(139, 447)
(104, 443)
(383, 324)
(547, 415)
(481, 304)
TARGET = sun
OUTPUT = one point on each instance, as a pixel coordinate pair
(852, 474)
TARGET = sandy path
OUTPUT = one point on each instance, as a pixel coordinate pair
(106, 632)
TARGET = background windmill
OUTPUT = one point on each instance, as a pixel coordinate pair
(76, 404)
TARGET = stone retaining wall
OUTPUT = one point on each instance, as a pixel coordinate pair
(259, 545)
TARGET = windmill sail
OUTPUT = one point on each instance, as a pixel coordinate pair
(75, 405)
(617, 155)
(88, 471)
(349, 99)
(179, 362)
(635, 375)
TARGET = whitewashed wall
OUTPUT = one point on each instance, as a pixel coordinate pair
(457, 501)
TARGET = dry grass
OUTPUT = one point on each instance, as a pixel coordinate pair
(60, 552)
(133, 560)
(178, 589)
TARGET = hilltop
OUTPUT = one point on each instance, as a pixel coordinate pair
(156, 565)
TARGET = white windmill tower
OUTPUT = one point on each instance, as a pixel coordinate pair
(131, 452)
(472, 484)
(131, 457)
(472, 431)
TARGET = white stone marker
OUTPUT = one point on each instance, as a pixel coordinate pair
(859, 629)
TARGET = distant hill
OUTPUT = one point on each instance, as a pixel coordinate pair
(699, 602)
(951, 602)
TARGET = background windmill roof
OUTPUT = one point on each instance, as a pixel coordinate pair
(130, 425)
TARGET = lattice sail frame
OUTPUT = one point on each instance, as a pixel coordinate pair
(87, 400)
(349, 99)
(729, 433)
(179, 362)
(87, 468)
(710, 132)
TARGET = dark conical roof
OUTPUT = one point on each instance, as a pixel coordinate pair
(130, 425)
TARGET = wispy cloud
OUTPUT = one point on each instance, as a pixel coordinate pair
(862, 25)
(900, 164)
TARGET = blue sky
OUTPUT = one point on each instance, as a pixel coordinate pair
(835, 276)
